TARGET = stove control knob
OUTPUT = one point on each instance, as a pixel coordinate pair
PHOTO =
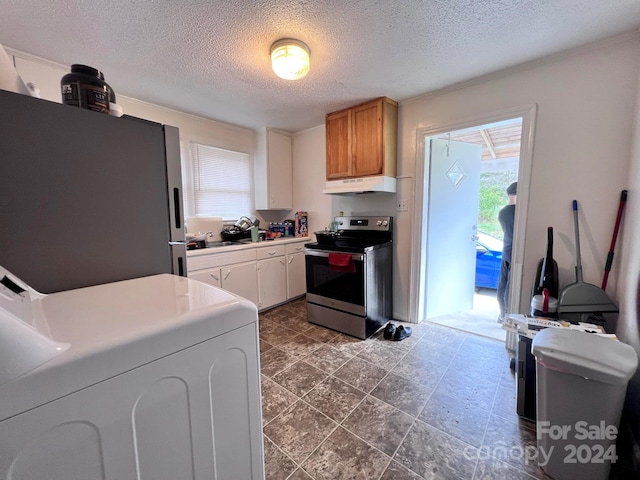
(385, 223)
(379, 223)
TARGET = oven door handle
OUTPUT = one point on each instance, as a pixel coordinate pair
(356, 257)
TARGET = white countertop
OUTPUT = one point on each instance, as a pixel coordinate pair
(247, 245)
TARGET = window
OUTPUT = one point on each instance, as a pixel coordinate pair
(216, 182)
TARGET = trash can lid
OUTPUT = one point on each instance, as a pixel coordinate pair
(585, 354)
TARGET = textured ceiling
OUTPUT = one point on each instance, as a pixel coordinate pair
(211, 58)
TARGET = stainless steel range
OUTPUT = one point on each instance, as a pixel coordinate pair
(349, 276)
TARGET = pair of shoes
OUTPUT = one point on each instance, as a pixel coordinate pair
(389, 330)
(402, 333)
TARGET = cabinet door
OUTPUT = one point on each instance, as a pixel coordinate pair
(338, 127)
(272, 282)
(210, 276)
(367, 139)
(296, 278)
(241, 280)
(280, 170)
(273, 171)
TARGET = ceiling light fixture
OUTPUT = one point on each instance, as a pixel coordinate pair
(290, 58)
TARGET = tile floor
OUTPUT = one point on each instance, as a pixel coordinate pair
(437, 405)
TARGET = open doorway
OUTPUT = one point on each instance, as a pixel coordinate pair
(464, 189)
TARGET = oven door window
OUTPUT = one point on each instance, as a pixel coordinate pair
(333, 282)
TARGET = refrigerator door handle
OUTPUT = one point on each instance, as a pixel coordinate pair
(177, 208)
(174, 183)
(178, 258)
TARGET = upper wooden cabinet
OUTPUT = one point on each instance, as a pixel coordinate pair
(362, 140)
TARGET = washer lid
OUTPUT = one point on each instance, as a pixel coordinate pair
(585, 354)
(116, 327)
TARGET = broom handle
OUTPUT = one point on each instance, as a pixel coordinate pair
(607, 266)
(578, 259)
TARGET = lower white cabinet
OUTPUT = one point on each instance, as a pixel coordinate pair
(267, 275)
(272, 282)
(296, 275)
(272, 276)
(210, 276)
(241, 280)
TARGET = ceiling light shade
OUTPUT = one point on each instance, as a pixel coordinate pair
(290, 58)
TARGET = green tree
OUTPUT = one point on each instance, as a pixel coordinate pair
(492, 198)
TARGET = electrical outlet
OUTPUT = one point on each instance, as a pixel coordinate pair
(402, 205)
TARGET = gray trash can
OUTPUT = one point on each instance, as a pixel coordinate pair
(581, 384)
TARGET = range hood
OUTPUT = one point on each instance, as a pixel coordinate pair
(352, 186)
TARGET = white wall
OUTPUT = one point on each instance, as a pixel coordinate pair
(629, 328)
(581, 150)
(581, 147)
(46, 75)
(309, 174)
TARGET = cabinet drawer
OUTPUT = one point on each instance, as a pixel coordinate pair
(295, 247)
(220, 259)
(210, 276)
(270, 252)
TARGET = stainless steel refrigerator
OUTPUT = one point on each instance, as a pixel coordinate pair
(87, 198)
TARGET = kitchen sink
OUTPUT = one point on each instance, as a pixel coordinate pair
(226, 243)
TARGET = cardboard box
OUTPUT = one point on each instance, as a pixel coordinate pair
(301, 226)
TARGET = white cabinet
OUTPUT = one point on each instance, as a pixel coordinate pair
(267, 274)
(272, 276)
(273, 171)
(272, 282)
(296, 275)
(233, 271)
(210, 276)
(241, 280)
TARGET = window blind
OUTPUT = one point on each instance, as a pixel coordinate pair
(218, 182)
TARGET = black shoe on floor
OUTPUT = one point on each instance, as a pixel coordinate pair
(402, 333)
(389, 330)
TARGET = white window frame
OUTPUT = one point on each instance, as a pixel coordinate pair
(217, 182)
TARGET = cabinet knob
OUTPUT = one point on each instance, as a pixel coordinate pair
(213, 276)
(226, 275)
(290, 260)
(272, 252)
(282, 261)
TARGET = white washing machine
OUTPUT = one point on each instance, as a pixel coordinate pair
(154, 378)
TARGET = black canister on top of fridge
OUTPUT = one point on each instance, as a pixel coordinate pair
(85, 87)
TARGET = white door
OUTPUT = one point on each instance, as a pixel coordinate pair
(296, 275)
(241, 280)
(280, 176)
(272, 282)
(452, 216)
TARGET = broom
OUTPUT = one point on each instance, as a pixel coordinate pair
(581, 297)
